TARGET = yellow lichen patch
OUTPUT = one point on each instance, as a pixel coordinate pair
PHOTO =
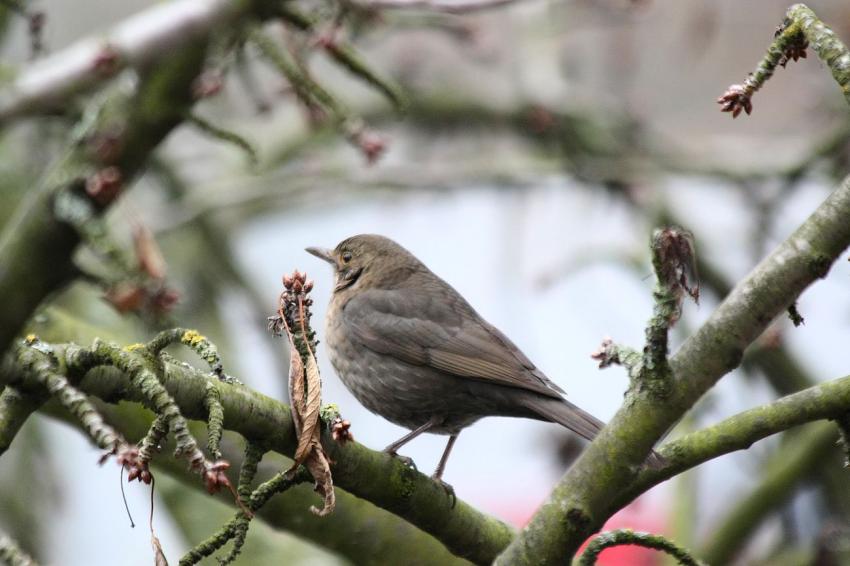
(134, 347)
(192, 337)
(31, 339)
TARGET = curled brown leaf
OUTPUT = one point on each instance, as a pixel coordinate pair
(158, 554)
(305, 387)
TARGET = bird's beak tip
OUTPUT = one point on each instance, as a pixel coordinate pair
(322, 253)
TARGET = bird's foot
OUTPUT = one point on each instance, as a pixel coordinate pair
(406, 460)
(450, 491)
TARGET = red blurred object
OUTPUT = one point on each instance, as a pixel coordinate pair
(644, 514)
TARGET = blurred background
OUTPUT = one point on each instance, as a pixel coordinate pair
(542, 143)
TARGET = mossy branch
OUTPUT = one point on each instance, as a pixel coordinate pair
(247, 473)
(153, 439)
(36, 361)
(589, 492)
(266, 419)
(622, 537)
(674, 261)
(826, 400)
(215, 419)
(800, 29)
(15, 408)
(193, 340)
(368, 474)
(145, 380)
(357, 531)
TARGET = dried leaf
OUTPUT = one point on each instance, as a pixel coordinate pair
(676, 250)
(296, 384)
(305, 387)
(320, 469)
(159, 556)
(310, 416)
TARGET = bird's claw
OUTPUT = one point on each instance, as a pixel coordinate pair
(406, 460)
(450, 491)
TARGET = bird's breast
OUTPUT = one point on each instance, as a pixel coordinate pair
(408, 395)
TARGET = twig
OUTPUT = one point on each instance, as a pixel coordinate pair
(344, 54)
(627, 536)
(225, 135)
(800, 29)
(237, 527)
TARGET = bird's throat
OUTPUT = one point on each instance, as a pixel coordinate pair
(347, 278)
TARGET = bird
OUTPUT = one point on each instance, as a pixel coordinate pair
(412, 350)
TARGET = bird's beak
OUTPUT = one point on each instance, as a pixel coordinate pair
(322, 253)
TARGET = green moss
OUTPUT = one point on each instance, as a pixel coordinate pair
(329, 412)
(403, 480)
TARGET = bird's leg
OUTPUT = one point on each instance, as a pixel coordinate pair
(392, 449)
(441, 467)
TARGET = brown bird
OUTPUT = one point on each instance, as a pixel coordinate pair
(411, 349)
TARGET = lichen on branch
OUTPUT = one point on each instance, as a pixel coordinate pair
(36, 358)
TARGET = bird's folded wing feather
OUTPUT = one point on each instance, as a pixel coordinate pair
(444, 333)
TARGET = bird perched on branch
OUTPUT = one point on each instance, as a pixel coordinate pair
(411, 349)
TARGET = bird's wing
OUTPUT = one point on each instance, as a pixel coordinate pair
(431, 329)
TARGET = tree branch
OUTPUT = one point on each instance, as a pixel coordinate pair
(15, 408)
(739, 432)
(149, 36)
(127, 128)
(586, 496)
(800, 29)
(371, 475)
(357, 530)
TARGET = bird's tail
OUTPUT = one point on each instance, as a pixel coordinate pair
(579, 421)
(567, 414)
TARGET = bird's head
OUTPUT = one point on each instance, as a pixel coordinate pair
(367, 260)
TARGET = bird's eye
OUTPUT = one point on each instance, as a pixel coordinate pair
(346, 257)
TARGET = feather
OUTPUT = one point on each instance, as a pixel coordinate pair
(426, 330)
